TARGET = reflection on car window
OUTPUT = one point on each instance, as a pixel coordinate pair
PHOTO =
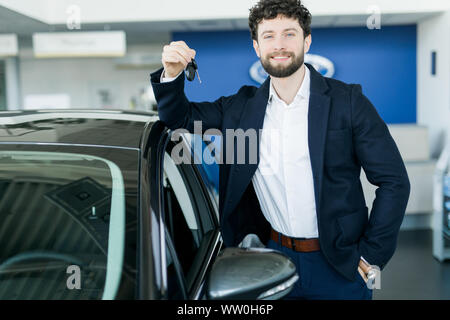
(59, 210)
(188, 220)
(180, 219)
(173, 282)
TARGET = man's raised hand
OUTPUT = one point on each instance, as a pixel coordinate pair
(175, 58)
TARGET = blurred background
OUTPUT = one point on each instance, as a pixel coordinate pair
(99, 54)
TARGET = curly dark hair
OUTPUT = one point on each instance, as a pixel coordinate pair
(270, 9)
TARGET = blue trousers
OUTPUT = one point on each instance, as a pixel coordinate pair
(318, 279)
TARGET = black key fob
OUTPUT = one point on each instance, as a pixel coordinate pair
(191, 69)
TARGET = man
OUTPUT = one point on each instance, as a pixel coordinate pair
(310, 205)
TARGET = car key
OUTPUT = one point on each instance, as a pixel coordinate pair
(191, 70)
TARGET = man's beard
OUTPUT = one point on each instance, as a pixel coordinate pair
(282, 71)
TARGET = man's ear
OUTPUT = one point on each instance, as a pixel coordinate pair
(307, 43)
(256, 47)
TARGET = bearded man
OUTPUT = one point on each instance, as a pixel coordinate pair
(303, 196)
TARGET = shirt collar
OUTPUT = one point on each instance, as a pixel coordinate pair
(302, 92)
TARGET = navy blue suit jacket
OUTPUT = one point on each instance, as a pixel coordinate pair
(345, 133)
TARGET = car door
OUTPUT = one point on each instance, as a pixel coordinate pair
(189, 219)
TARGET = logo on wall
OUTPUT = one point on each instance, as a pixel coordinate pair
(323, 65)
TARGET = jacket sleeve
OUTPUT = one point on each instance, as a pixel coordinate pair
(378, 155)
(176, 111)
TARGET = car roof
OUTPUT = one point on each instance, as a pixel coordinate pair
(115, 128)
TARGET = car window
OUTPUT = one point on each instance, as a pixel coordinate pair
(181, 220)
(175, 278)
(62, 225)
(188, 221)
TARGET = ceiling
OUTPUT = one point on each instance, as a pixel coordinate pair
(159, 32)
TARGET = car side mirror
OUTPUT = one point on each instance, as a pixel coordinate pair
(251, 273)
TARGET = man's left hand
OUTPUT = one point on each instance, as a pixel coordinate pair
(363, 269)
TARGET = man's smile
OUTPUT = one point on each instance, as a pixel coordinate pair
(280, 58)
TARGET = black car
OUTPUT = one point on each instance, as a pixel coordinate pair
(92, 206)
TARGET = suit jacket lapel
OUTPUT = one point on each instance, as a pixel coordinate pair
(318, 114)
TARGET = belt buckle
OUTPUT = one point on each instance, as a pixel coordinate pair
(293, 244)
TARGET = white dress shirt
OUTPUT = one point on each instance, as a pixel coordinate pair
(283, 181)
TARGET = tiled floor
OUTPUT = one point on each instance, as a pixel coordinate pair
(413, 272)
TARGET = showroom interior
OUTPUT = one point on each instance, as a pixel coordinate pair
(80, 54)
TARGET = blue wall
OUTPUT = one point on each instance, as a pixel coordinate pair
(382, 61)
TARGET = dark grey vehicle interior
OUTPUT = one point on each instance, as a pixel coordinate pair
(52, 211)
(56, 210)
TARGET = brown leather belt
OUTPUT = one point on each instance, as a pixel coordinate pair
(307, 245)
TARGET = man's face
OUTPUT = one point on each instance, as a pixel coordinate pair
(281, 46)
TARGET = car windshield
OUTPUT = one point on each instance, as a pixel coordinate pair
(62, 225)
